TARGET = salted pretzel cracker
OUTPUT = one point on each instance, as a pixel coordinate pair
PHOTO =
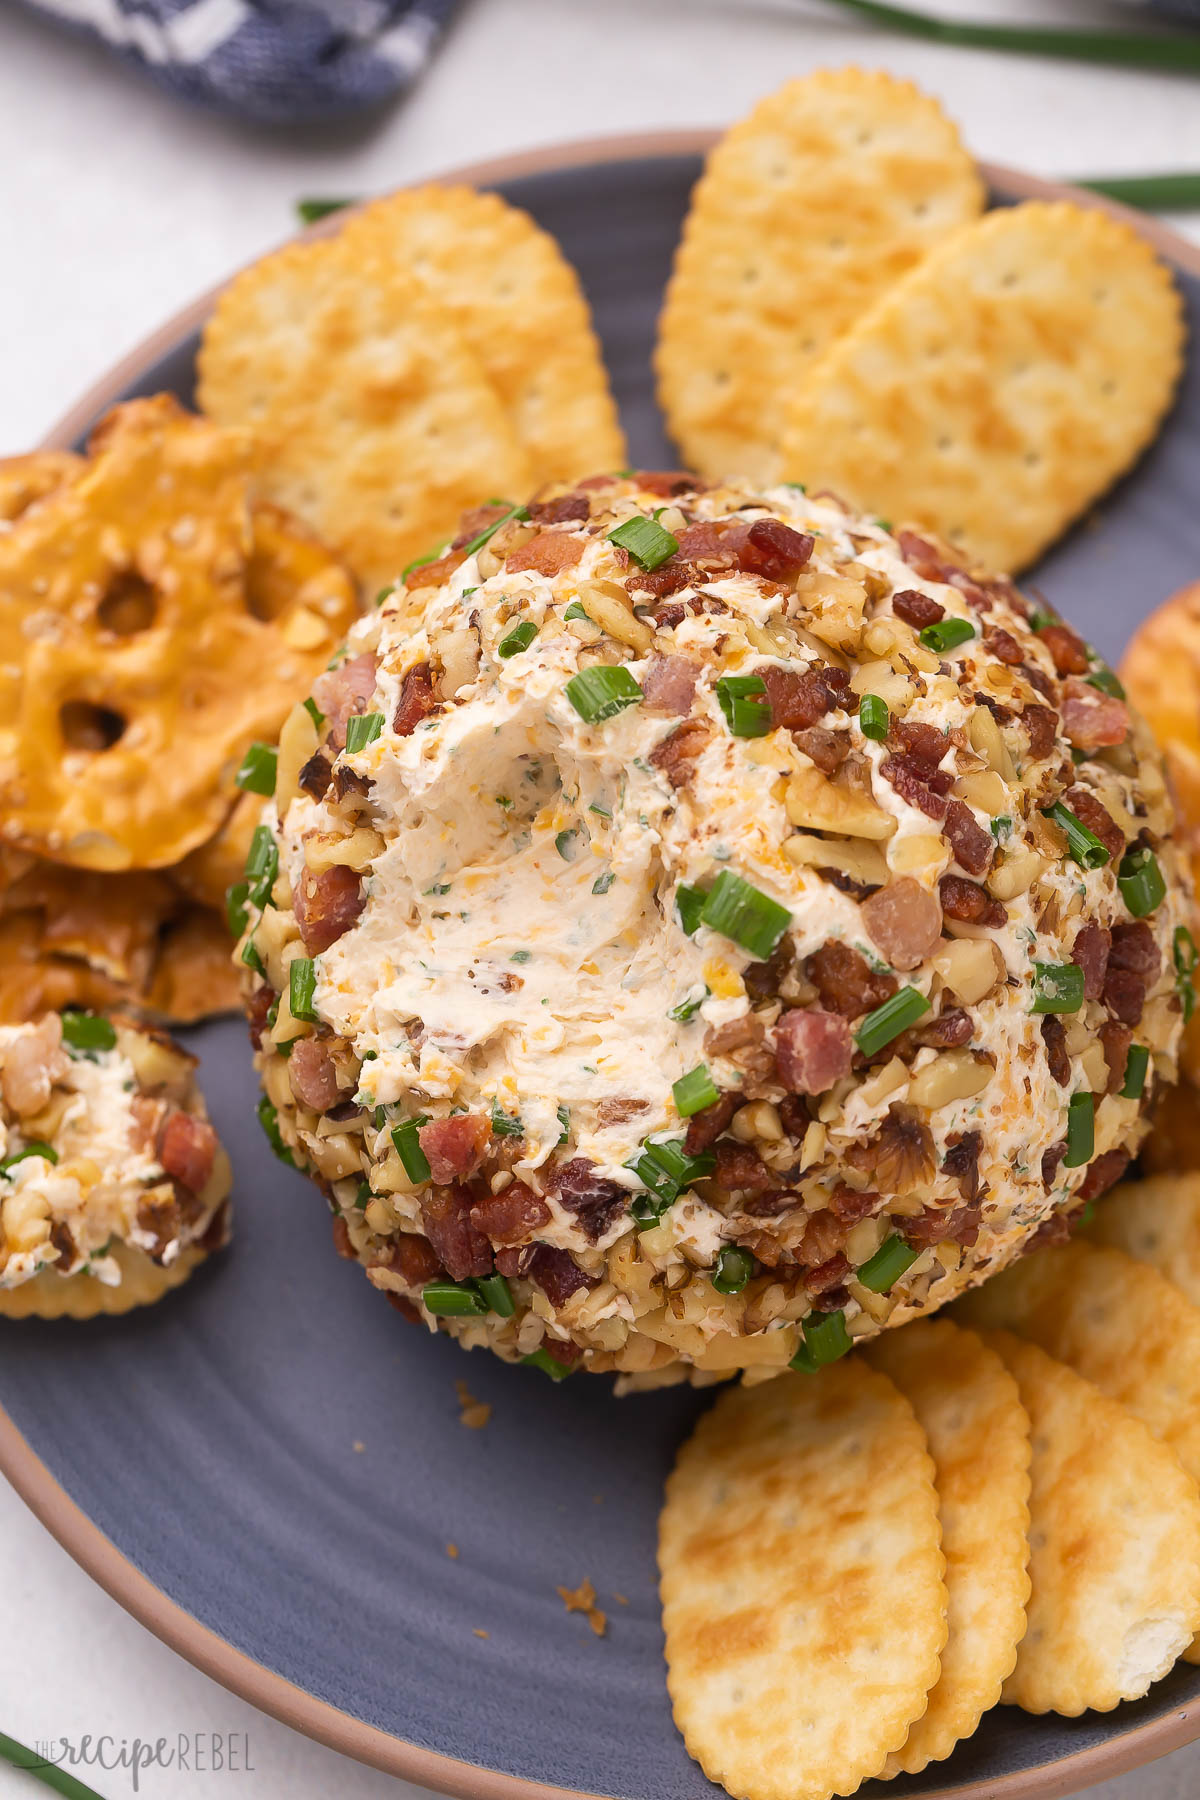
(24, 480)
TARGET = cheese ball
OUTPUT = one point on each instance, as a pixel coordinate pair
(696, 928)
(113, 1186)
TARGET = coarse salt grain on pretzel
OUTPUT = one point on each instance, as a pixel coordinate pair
(24, 480)
(153, 623)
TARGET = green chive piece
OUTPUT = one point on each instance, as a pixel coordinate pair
(734, 1268)
(689, 904)
(947, 634)
(575, 611)
(235, 908)
(825, 1340)
(549, 1365)
(1041, 616)
(497, 1294)
(309, 211)
(489, 532)
(687, 1009)
(1057, 987)
(257, 772)
(1136, 1065)
(518, 639)
(521, 956)
(385, 593)
(1173, 51)
(603, 882)
(1141, 882)
(46, 1151)
(1153, 193)
(882, 1271)
(874, 720)
(1083, 846)
(362, 1196)
(268, 1118)
(505, 1124)
(566, 843)
(1185, 955)
(740, 912)
(452, 1300)
(602, 691)
(87, 1031)
(1001, 826)
(314, 712)
(252, 959)
(405, 1137)
(262, 865)
(564, 1120)
(1107, 682)
(743, 700)
(362, 729)
(302, 985)
(647, 1209)
(421, 562)
(890, 1019)
(694, 1091)
(1081, 1131)
(645, 540)
(665, 1170)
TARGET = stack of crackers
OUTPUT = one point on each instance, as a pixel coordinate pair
(858, 1565)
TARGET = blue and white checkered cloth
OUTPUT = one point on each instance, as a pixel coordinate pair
(283, 62)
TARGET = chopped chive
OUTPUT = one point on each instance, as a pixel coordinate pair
(743, 700)
(602, 691)
(362, 729)
(485, 536)
(309, 211)
(645, 540)
(497, 1294)
(602, 812)
(689, 904)
(257, 772)
(521, 956)
(575, 611)
(362, 1197)
(385, 593)
(694, 1091)
(302, 985)
(947, 634)
(518, 639)
(603, 882)
(252, 959)
(505, 1124)
(268, 1118)
(1185, 954)
(741, 912)
(1136, 1065)
(549, 1365)
(87, 1031)
(1081, 1131)
(1141, 882)
(406, 1138)
(1176, 51)
(452, 1300)
(874, 720)
(420, 562)
(566, 843)
(666, 1169)
(687, 1009)
(890, 1019)
(262, 865)
(1001, 826)
(235, 908)
(1083, 846)
(734, 1268)
(564, 1122)
(314, 712)
(647, 1209)
(1107, 681)
(1057, 987)
(37, 1148)
(1041, 616)
(883, 1270)
(825, 1340)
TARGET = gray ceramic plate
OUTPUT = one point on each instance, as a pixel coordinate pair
(199, 1459)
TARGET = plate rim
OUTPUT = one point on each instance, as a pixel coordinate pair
(100, 1558)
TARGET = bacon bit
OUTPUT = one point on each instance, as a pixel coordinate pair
(339, 693)
(951, 1030)
(899, 1157)
(187, 1151)
(479, 1632)
(827, 1275)
(916, 782)
(961, 1162)
(969, 903)
(1125, 995)
(413, 1258)
(454, 1147)
(926, 743)
(774, 551)
(559, 1276)
(1088, 810)
(1054, 1230)
(903, 921)
(583, 1600)
(1090, 952)
(565, 510)
(739, 1167)
(549, 553)
(846, 981)
(705, 1127)
(917, 609)
(594, 1200)
(1037, 678)
(1093, 720)
(618, 1109)
(313, 1074)
(973, 847)
(341, 1239)
(801, 697)
(460, 1245)
(813, 1049)
(928, 561)
(1134, 948)
(257, 1007)
(1104, 1173)
(666, 483)
(1068, 651)
(1003, 645)
(1050, 1164)
(476, 520)
(669, 685)
(677, 754)
(1115, 1040)
(316, 775)
(475, 1413)
(403, 1305)
(417, 700)
(769, 1206)
(511, 1216)
(452, 1552)
(1054, 1038)
(326, 906)
(715, 542)
(942, 1225)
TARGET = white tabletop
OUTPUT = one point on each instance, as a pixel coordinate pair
(119, 205)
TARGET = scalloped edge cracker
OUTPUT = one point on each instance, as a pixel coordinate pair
(377, 424)
(518, 305)
(970, 1410)
(143, 1283)
(808, 210)
(1157, 1221)
(1001, 388)
(802, 1590)
(1115, 1535)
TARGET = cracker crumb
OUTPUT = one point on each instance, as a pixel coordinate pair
(475, 1413)
(479, 1632)
(452, 1551)
(621, 1599)
(583, 1600)
(359, 1446)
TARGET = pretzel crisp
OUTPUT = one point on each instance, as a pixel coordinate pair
(24, 480)
(153, 623)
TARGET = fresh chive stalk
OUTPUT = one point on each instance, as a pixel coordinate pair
(549, 1365)
(564, 1123)
(1153, 193)
(666, 1169)
(1172, 51)
(743, 700)
(257, 772)
(882, 1271)
(689, 904)
(874, 719)
(645, 540)
(38, 1148)
(1107, 682)
(1057, 987)
(497, 1294)
(575, 611)
(505, 1124)
(309, 211)
(87, 1031)
(687, 1009)
(1185, 957)
(694, 1091)
(947, 634)
(1083, 846)
(734, 1268)
(362, 729)
(1136, 1065)
(302, 985)
(268, 1118)
(1141, 882)
(518, 639)
(602, 691)
(262, 866)
(825, 1340)
(314, 712)
(890, 1019)
(452, 1300)
(742, 913)
(235, 908)
(489, 531)
(1081, 1131)
(406, 1139)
